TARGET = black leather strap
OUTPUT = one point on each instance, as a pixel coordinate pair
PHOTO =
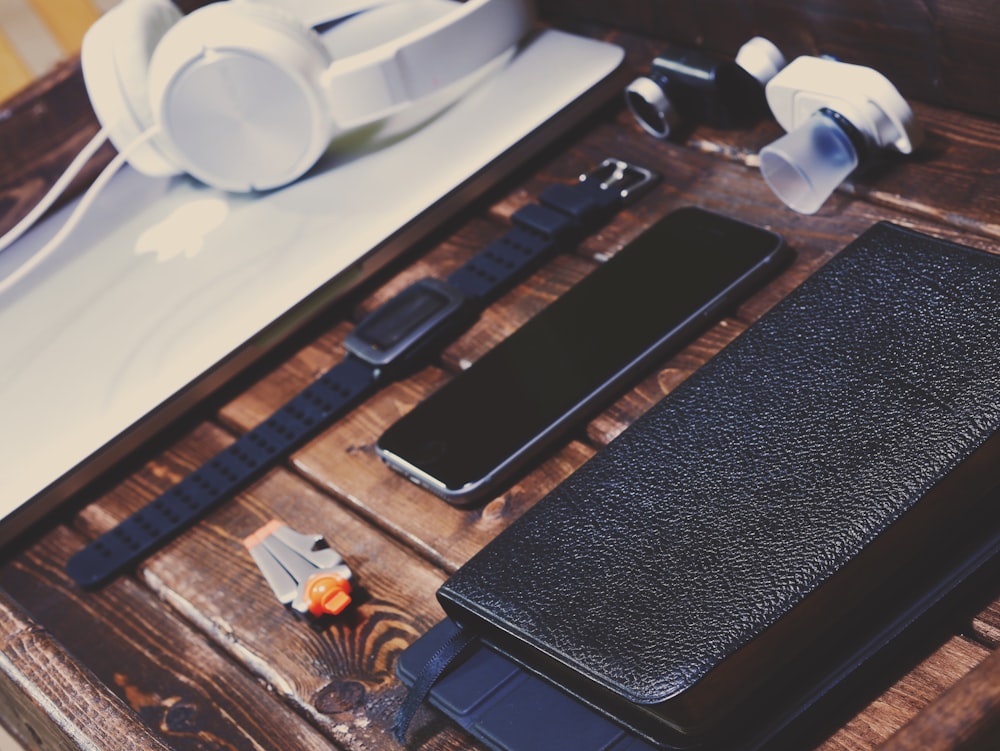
(563, 215)
(228, 472)
(430, 673)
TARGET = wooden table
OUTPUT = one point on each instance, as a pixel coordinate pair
(193, 651)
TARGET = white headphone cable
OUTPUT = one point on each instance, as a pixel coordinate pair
(74, 219)
(56, 190)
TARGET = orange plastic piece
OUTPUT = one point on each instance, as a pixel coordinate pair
(327, 593)
(266, 531)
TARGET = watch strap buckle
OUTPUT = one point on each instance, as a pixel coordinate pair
(628, 180)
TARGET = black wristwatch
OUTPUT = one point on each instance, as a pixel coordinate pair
(399, 334)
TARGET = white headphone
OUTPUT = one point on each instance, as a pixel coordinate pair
(244, 95)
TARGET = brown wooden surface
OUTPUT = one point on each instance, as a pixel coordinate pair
(194, 652)
(50, 701)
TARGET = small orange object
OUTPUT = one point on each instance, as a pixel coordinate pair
(262, 534)
(327, 593)
(302, 570)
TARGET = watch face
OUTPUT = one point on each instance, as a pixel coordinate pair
(400, 324)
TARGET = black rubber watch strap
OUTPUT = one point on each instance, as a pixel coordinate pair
(228, 472)
(492, 269)
(563, 215)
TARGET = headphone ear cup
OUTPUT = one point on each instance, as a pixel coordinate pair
(115, 58)
(235, 88)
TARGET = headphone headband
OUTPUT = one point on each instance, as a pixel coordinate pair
(314, 13)
(245, 95)
(371, 85)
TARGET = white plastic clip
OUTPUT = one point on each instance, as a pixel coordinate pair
(303, 571)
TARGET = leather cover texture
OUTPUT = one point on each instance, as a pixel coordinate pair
(742, 516)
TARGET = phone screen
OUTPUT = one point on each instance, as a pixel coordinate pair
(656, 293)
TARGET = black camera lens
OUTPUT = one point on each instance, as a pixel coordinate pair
(649, 103)
(693, 86)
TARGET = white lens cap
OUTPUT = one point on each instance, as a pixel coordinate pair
(761, 58)
(864, 96)
(806, 165)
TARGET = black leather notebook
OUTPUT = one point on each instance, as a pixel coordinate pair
(741, 523)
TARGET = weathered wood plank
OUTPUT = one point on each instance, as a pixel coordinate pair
(41, 129)
(907, 697)
(986, 626)
(339, 673)
(965, 718)
(52, 701)
(175, 681)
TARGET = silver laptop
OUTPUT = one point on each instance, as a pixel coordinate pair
(168, 288)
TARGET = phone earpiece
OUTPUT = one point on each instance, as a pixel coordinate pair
(244, 95)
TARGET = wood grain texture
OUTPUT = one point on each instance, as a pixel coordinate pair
(986, 626)
(338, 673)
(907, 697)
(52, 701)
(173, 678)
(41, 129)
(966, 717)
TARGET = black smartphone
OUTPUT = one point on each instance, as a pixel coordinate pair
(470, 436)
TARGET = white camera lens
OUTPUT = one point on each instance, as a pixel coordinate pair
(761, 58)
(805, 166)
(831, 111)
